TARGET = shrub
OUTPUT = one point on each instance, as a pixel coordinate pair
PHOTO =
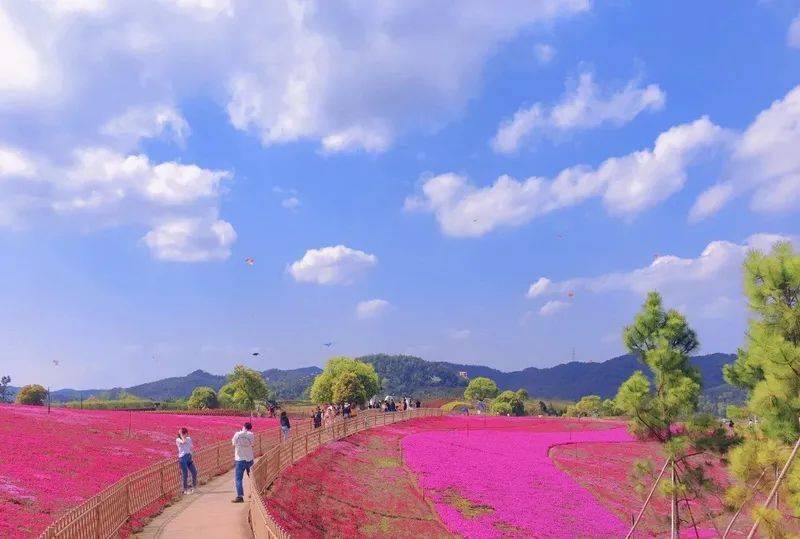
(454, 406)
(32, 394)
(203, 398)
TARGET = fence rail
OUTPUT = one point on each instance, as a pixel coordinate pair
(105, 513)
(282, 455)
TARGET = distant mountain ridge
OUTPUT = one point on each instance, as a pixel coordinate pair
(409, 375)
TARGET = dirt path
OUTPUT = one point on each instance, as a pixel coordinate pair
(208, 513)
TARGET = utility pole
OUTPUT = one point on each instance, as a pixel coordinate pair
(48, 399)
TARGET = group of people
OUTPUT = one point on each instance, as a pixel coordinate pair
(244, 440)
(388, 404)
(326, 415)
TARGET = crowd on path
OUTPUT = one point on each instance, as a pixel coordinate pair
(244, 440)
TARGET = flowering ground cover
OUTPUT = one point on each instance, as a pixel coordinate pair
(441, 477)
(498, 481)
(613, 487)
(52, 462)
(354, 487)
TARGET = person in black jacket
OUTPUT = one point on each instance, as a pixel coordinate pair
(285, 426)
(317, 418)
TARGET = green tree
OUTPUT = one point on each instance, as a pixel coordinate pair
(32, 394)
(768, 368)
(665, 410)
(589, 405)
(4, 396)
(322, 390)
(348, 388)
(508, 403)
(245, 388)
(662, 340)
(203, 398)
(480, 388)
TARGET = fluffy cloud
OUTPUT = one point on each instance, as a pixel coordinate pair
(191, 240)
(627, 185)
(332, 265)
(793, 35)
(21, 67)
(14, 163)
(552, 307)
(148, 122)
(544, 52)
(372, 308)
(290, 203)
(540, 287)
(764, 162)
(350, 76)
(103, 187)
(707, 284)
(584, 106)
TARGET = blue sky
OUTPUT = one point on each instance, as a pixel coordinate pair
(442, 179)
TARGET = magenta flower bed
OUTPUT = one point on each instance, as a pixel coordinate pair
(53, 462)
(502, 468)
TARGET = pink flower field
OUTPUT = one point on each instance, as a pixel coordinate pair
(51, 462)
(494, 478)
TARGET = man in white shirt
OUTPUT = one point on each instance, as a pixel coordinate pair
(243, 442)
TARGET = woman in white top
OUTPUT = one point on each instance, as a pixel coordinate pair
(184, 443)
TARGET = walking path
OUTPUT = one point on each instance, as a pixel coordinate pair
(207, 513)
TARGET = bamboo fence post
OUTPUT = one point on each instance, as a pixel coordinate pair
(647, 500)
(674, 526)
(777, 484)
(738, 511)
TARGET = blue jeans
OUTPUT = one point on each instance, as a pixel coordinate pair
(284, 433)
(241, 467)
(187, 465)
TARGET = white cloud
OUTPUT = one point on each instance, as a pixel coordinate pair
(348, 76)
(539, 288)
(74, 6)
(21, 68)
(552, 307)
(764, 162)
(459, 334)
(583, 106)
(627, 185)
(372, 308)
(544, 52)
(704, 285)
(332, 265)
(15, 163)
(148, 122)
(102, 187)
(290, 203)
(793, 35)
(191, 240)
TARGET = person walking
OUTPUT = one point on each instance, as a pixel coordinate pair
(285, 426)
(243, 442)
(317, 418)
(184, 443)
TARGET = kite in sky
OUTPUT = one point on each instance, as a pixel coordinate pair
(328, 344)
(255, 353)
(250, 261)
(55, 362)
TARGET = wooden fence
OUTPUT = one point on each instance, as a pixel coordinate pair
(104, 514)
(281, 456)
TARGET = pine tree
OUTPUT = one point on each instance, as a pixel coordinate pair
(768, 367)
(665, 410)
